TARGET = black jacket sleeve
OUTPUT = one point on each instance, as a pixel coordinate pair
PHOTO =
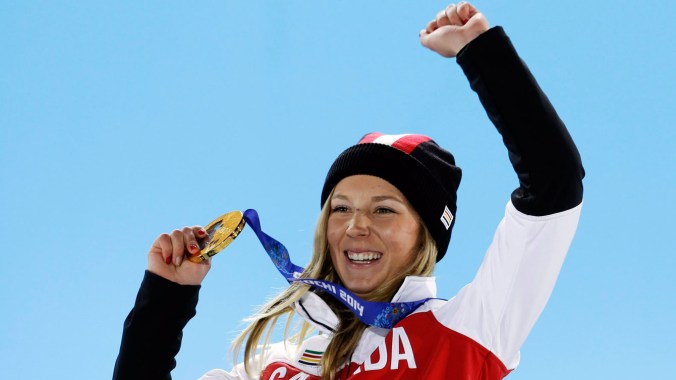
(540, 148)
(153, 329)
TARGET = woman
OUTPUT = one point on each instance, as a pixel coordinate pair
(388, 207)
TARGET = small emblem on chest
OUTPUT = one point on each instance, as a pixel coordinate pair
(311, 357)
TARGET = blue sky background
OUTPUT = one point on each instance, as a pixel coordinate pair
(122, 120)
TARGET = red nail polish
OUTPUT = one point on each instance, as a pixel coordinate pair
(193, 247)
(168, 260)
(201, 233)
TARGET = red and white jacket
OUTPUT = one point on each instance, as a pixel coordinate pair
(475, 335)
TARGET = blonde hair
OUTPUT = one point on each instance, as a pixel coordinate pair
(349, 330)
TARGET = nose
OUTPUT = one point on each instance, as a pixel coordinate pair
(358, 225)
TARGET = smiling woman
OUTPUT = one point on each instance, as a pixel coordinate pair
(388, 210)
(373, 233)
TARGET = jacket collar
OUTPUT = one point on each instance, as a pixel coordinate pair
(317, 313)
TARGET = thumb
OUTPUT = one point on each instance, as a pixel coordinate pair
(424, 38)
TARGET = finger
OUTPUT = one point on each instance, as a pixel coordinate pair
(465, 11)
(164, 243)
(200, 233)
(452, 15)
(178, 244)
(190, 241)
(431, 26)
(442, 19)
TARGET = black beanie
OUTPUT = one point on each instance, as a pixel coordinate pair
(422, 170)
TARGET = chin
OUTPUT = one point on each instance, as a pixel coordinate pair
(361, 289)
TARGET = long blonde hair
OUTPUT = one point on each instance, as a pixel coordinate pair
(349, 330)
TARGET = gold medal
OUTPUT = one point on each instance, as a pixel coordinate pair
(222, 232)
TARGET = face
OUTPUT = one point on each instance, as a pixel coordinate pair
(372, 231)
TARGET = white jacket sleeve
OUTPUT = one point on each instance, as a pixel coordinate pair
(500, 306)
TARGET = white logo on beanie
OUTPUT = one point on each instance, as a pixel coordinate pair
(447, 217)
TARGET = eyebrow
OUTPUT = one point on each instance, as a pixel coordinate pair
(376, 198)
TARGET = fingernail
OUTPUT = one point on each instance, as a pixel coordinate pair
(193, 247)
(168, 260)
(201, 233)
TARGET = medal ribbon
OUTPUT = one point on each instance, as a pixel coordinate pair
(377, 314)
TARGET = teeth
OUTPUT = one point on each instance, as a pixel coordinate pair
(364, 256)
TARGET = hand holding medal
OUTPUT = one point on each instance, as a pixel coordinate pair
(221, 232)
(197, 244)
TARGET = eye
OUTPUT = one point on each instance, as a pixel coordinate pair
(339, 208)
(384, 210)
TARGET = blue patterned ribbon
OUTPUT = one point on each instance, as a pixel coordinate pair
(377, 314)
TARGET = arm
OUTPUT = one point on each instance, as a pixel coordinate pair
(165, 303)
(153, 329)
(513, 284)
(540, 148)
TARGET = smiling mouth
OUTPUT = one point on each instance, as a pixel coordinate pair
(363, 257)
